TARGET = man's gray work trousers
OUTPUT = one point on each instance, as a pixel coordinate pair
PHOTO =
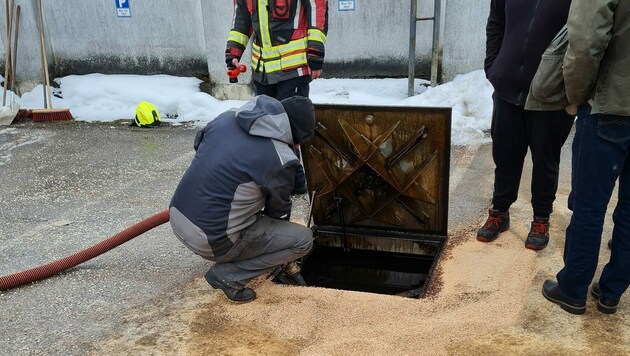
(265, 244)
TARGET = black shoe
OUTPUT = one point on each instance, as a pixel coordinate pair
(291, 280)
(289, 274)
(606, 306)
(233, 291)
(538, 236)
(497, 222)
(551, 292)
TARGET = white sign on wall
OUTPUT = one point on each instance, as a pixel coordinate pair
(122, 8)
(346, 5)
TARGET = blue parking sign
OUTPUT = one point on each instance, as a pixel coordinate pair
(122, 8)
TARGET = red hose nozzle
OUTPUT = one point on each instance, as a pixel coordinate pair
(234, 72)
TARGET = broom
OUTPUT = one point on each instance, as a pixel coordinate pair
(48, 113)
(8, 9)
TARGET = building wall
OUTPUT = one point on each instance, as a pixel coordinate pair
(187, 37)
(464, 34)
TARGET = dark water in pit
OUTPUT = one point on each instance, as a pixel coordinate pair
(367, 270)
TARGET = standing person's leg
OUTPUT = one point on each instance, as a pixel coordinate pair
(547, 132)
(592, 187)
(295, 86)
(266, 89)
(509, 147)
(267, 244)
(615, 277)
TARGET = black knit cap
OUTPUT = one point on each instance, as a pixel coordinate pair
(301, 117)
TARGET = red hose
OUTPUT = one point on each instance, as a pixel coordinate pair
(52, 268)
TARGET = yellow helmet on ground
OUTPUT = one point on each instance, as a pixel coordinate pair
(147, 115)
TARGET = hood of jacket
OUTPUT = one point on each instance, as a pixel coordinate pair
(265, 116)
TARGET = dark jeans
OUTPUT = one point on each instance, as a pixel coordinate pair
(513, 130)
(600, 157)
(285, 89)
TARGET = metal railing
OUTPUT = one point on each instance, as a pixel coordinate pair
(437, 44)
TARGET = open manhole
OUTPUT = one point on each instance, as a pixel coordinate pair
(378, 178)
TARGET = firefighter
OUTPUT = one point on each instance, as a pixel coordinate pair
(287, 47)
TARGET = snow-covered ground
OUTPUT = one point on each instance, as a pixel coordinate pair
(99, 97)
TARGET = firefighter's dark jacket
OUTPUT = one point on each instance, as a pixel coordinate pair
(518, 32)
(288, 37)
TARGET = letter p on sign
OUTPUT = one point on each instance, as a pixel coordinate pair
(122, 8)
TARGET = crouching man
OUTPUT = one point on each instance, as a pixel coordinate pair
(233, 203)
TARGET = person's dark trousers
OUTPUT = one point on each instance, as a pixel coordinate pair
(515, 129)
(601, 150)
(286, 89)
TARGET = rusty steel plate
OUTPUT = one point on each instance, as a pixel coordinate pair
(380, 167)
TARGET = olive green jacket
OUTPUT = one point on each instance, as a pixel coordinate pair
(597, 62)
(547, 92)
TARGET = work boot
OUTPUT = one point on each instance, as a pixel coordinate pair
(234, 291)
(538, 236)
(291, 280)
(288, 274)
(551, 291)
(606, 306)
(497, 222)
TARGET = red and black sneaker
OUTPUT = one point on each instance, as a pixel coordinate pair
(498, 221)
(538, 236)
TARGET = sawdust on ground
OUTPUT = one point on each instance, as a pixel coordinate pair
(485, 300)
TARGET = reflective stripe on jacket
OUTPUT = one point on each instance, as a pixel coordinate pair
(288, 37)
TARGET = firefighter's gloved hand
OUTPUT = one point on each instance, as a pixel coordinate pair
(315, 73)
(232, 62)
(232, 54)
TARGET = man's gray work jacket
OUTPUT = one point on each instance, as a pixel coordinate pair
(244, 163)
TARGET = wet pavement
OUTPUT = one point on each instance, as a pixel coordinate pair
(65, 187)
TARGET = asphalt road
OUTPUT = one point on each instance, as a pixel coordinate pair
(65, 187)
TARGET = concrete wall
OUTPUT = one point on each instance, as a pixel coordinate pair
(86, 36)
(464, 36)
(187, 37)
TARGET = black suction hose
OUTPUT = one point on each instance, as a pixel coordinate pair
(52, 268)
